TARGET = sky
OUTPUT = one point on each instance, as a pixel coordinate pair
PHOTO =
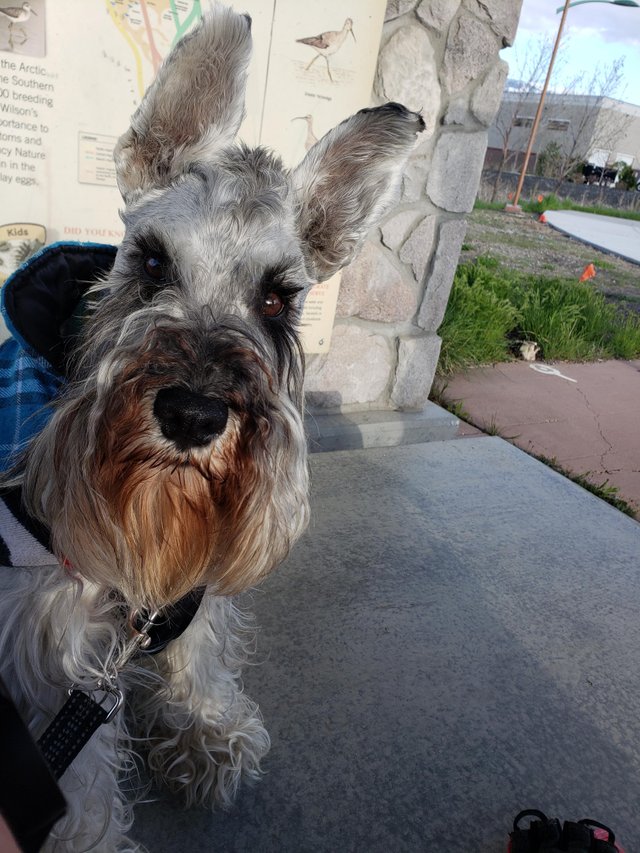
(595, 34)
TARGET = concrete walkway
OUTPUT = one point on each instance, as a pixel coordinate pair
(608, 233)
(585, 416)
(456, 638)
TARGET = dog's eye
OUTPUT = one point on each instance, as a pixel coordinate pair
(154, 267)
(273, 305)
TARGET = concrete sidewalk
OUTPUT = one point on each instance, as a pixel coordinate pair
(585, 416)
(608, 233)
(456, 638)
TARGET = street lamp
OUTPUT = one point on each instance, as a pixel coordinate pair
(611, 2)
(514, 207)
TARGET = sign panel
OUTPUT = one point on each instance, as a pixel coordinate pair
(73, 71)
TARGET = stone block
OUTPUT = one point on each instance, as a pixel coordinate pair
(437, 14)
(372, 288)
(417, 249)
(417, 362)
(395, 230)
(408, 72)
(414, 179)
(436, 295)
(501, 15)
(455, 170)
(395, 8)
(471, 48)
(485, 100)
(356, 370)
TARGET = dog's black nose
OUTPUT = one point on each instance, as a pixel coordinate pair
(189, 419)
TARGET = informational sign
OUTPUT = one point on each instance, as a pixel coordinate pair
(72, 72)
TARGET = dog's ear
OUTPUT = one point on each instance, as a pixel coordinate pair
(193, 108)
(348, 180)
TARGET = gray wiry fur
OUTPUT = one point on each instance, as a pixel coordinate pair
(221, 245)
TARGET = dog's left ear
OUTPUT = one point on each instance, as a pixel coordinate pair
(348, 180)
(193, 108)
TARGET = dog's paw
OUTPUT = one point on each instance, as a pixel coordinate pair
(205, 763)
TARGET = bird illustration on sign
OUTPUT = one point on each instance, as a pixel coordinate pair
(311, 138)
(328, 43)
(16, 15)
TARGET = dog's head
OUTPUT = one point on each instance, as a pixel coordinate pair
(176, 455)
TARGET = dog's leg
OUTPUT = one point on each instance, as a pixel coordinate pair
(205, 734)
(98, 815)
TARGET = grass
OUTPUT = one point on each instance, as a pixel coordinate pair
(603, 490)
(478, 319)
(552, 202)
(492, 310)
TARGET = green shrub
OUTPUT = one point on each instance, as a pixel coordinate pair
(569, 320)
(625, 339)
(627, 177)
(491, 310)
(549, 202)
(477, 320)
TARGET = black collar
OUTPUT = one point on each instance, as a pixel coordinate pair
(172, 621)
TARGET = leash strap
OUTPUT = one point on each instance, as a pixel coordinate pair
(81, 715)
(30, 800)
(72, 728)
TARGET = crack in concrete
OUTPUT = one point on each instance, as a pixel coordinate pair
(600, 432)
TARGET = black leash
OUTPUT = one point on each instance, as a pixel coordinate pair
(83, 713)
(30, 799)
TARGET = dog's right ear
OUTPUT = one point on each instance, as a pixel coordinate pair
(193, 108)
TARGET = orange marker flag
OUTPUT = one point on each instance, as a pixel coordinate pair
(540, 198)
(588, 272)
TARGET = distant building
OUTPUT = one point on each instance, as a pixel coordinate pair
(585, 128)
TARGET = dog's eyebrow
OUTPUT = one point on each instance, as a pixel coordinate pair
(281, 274)
(150, 244)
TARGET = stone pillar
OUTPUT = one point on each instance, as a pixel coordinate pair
(439, 57)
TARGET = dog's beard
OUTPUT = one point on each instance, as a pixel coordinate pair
(130, 511)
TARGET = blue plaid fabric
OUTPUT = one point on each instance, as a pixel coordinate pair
(33, 293)
(27, 385)
(34, 300)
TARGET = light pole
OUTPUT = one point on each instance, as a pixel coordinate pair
(611, 3)
(515, 207)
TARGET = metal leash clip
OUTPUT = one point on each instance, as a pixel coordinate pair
(110, 691)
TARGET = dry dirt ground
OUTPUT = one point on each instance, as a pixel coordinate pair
(524, 244)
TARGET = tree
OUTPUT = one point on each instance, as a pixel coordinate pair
(578, 123)
(592, 125)
(550, 160)
(530, 69)
(627, 177)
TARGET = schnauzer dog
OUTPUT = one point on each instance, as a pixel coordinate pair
(173, 460)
